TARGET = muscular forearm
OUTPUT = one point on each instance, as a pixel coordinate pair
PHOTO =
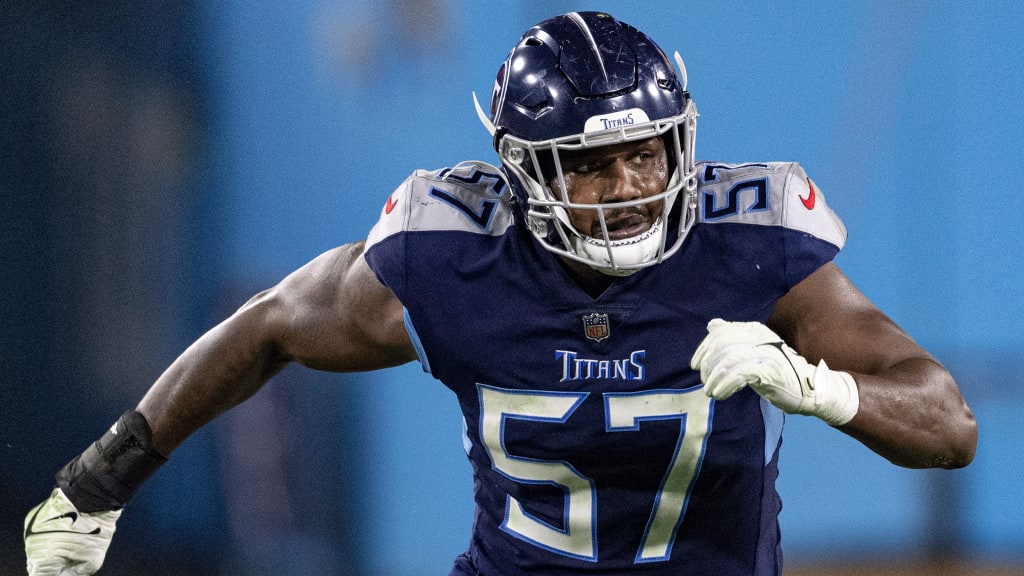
(220, 370)
(913, 414)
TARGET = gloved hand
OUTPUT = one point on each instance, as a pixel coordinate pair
(61, 541)
(738, 354)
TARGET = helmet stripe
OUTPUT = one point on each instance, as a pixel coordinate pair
(582, 25)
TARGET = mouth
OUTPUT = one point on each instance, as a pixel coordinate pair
(623, 225)
(635, 234)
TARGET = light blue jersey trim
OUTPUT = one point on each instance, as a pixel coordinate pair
(774, 419)
(416, 341)
(467, 443)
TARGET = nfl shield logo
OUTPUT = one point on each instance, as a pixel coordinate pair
(596, 326)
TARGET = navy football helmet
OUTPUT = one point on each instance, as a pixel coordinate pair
(581, 80)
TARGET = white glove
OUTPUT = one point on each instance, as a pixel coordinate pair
(738, 354)
(61, 541)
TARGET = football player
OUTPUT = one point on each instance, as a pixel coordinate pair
(624, 328)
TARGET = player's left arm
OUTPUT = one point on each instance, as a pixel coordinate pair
(910, 409)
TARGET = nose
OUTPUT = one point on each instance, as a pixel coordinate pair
(622, 185)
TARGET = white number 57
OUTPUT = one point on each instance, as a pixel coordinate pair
(623, 412)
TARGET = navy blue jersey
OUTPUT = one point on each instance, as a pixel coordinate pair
(594, 448)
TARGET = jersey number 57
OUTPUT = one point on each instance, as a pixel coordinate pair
(623, 413)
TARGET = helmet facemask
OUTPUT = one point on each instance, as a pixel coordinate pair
(537, 163)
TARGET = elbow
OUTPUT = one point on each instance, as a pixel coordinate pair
(950, 449)
(961, 432)
(951, 441)
(962, 443)
(923, 424)
(942, 434)
(954, 428)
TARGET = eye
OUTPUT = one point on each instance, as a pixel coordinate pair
(584, 165)
(586, 168)
(646, 156)
(649, 158)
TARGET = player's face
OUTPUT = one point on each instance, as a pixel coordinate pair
(616, 173)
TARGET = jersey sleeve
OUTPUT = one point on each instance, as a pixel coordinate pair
(435, 229)
(438, 211)
(814, 234)
(805, 209)
(771, 210)
(385, 243)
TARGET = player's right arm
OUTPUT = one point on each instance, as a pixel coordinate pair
(331, 314)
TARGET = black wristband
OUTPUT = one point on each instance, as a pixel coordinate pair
(109, 472)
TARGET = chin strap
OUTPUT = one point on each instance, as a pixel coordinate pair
(642, 248)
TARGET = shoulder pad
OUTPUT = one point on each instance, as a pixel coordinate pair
(472, 197)
(769, 194)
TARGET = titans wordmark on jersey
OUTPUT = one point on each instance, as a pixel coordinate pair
(594, 448)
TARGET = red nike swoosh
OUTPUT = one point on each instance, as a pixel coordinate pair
(390, 205)
(811, 197)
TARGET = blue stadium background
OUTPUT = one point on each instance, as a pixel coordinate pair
(161, 161)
